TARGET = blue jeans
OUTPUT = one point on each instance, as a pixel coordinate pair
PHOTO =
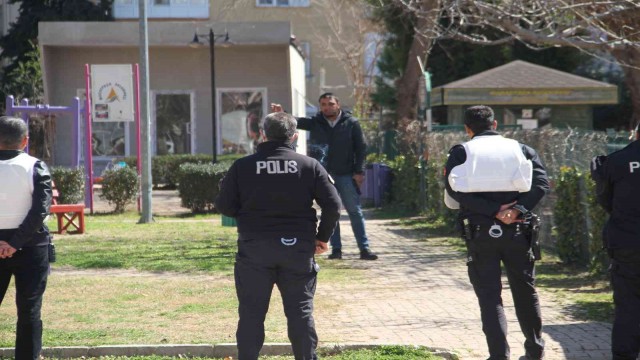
(351, 202)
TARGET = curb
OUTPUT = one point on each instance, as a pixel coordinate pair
(201, 350)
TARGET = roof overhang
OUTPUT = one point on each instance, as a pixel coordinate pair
(174, 33)
(525, 96)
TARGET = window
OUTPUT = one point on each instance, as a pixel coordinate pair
(167, 9)
(306, 51)
(282, 3)
(373, 44)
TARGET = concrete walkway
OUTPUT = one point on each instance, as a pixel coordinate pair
(418, 293)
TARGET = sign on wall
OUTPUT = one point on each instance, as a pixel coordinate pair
(112, 93)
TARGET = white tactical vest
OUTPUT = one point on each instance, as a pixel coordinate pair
(493, 164)
(16, 188)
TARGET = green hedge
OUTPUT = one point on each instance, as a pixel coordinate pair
(579, 220)
(70, 184)
(598, 258)
(198, 184)
(165, 168)
(569, 217)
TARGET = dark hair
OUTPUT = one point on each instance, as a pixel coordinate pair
(12, 131)
(280, 126)
(478, 118)
(328, 95)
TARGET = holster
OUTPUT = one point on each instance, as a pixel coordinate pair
(532, 232)
(467, 235)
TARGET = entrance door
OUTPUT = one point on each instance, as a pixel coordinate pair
(173, 115)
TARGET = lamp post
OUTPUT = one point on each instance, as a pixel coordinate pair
(195, 43)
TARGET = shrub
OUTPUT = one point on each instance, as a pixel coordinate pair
(198, 184)
(120, 187)
(569, 215)
(435, 195)
(70, 184)
(598, 258)
(165, 168)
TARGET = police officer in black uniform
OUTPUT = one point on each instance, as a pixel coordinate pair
(271, 195)
(495, 234)
(617, 178)
(25, 198)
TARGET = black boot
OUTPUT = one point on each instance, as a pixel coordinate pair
(368, 255)
(336, 254)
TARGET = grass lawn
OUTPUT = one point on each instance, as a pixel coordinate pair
(380, 353)
(167, 282)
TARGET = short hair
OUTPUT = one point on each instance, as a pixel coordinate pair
(280, 126)
(478, 118)
(328, 95)
(12, 131)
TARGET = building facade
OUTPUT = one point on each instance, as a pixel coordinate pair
(276, 54)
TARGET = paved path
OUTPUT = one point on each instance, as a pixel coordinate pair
(418, 293)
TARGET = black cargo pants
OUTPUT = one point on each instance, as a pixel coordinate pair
(513, 250)
(625, 280)
(261, 263)
(30, 268)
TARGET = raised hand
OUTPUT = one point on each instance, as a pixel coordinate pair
(276, 108)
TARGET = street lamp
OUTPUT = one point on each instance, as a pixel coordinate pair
(195, 43)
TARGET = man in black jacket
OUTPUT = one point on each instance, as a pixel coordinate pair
(617, 177)
(271, 195)
(25, 198)
(337, 142)
(493, 230)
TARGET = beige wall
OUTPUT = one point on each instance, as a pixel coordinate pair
(308, 24)
(170, 69)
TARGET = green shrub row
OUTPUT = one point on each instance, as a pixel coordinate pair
(198, 184)
(164, 168)
(69, 183)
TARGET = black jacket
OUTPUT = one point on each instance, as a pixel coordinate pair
(481, 207)
(617, 189)
(340, 149)
(272, 193)
(33, 231)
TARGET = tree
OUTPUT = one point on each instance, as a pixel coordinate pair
(592, 26)
(18, 44)
(355, 41)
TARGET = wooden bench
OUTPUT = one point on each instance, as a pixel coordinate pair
(70, 216)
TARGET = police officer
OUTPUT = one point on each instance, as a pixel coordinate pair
(617, 177)
(495, 182)
(271, 195)
(25, 198)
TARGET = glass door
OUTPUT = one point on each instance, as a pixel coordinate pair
(173, 123)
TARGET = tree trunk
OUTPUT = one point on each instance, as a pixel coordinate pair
(630, 56)
(407, 85)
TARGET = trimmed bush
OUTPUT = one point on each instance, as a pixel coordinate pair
(120, 187)
(569, 216)
(165, 168)
(70, 184)
(198, 184)
(599, 260)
